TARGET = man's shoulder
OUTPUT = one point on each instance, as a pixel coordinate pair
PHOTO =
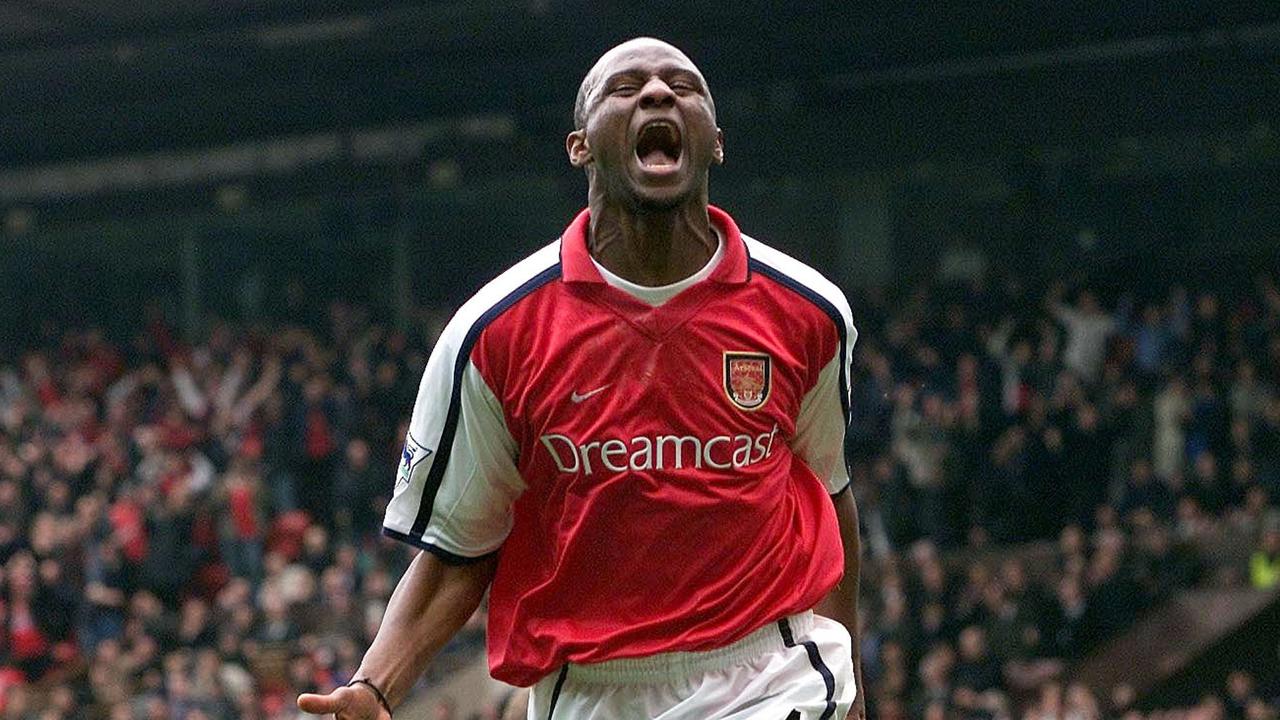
(799, 277)
(501, 293)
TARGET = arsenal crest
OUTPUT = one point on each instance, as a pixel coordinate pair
(746, 378)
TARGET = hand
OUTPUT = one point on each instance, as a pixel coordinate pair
(355, 702)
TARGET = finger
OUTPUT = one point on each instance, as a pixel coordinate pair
(319, 704)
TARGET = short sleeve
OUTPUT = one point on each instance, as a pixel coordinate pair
(822, 423)
(457, 480)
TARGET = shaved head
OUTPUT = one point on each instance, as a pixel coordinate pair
(645, 129)
(590, 83)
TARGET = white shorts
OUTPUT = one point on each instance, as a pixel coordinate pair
(798, 668)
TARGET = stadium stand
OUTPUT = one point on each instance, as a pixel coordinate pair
(190, 530)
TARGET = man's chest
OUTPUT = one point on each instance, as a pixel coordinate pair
(605, 380)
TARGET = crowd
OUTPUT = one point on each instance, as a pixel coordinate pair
(1131, 433)
(189, 530)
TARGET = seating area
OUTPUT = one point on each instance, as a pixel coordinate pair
(190, 529)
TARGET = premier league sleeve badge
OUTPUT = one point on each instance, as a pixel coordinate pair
(410, 458)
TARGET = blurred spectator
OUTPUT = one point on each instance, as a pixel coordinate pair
(921, 444)
(106, 594)
(1172, 409)
(1153, 340)
(1114, 598)
(242, 521)
(1049, 704)
(357, 488)
(1070, 623)
(977, 670)
(1143, 491)
(1088, 329)
(1081, 704)
(1240, 694)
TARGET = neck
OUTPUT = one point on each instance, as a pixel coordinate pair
(651, 248)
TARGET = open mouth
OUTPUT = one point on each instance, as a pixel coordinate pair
(658, 145)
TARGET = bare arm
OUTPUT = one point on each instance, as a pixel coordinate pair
(429, 605)
(260, 391)
(842, 604)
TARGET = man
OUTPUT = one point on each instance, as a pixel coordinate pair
(635, 435)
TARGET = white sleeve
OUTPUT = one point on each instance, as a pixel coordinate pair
(823, 420)
(820, 428)
(457, 479)
(824, 411)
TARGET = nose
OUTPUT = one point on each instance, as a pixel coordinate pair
(657, 94)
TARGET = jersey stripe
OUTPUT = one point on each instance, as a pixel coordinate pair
(445, 445)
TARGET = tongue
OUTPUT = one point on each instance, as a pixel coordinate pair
(657, 156)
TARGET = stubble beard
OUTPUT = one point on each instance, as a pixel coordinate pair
(651, 206)
(635, 201)
(620, 190)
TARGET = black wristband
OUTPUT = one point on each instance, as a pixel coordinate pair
(382, 699)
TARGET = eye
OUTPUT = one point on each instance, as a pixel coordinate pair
(685, 85)
(624, 89)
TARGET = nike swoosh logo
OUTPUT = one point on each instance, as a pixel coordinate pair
(576, 398)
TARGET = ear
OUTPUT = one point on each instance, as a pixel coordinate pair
(718, 153)
(576, 146)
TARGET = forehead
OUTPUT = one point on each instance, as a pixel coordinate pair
(643, 54)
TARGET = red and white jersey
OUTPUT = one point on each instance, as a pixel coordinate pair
(657, 478)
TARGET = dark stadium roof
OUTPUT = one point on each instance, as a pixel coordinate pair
(80, 78)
